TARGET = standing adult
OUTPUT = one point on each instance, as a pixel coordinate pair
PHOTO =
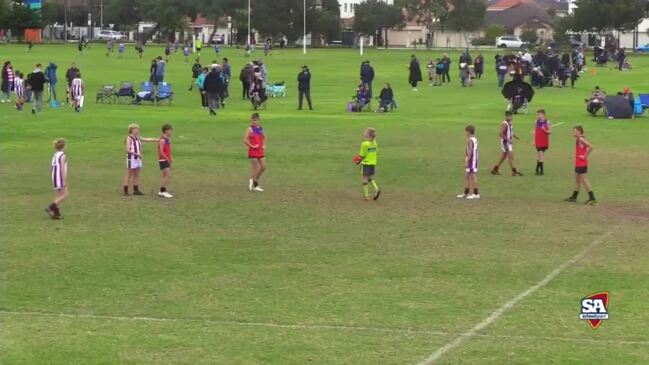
(478, 66)
(69, 76)
(446, 60)
(304, 87)
(367, 75)
(227, 75)
(501, 70)
(50, 75)
(211, 85)
(621, 58)
(159, 71)
(246, 76)
(415, 72)
(37, 82)
(7, 81)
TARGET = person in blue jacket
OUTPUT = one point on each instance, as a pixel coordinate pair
(50, 76)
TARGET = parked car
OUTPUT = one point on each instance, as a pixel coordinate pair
(218, 39)
(109, 34)
(509, 41)
(643, 49)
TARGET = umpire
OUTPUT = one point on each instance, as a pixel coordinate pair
(304, 86)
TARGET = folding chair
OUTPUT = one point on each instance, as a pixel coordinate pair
(106, 94)
(126, 92)
(164, 93)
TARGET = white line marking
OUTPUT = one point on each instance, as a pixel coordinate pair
(493, 317)
(556, 124)
(415, 331)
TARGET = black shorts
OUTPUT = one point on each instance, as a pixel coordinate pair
(541, 149)
(581, 169)
(164, 164)
(368, 170)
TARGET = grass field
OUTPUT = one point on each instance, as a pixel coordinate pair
(306, 272)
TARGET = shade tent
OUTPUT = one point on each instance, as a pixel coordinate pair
(618, 107)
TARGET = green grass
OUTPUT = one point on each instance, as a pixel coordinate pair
(307, 273)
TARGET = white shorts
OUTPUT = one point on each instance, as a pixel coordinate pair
(133, 164)
(506, 146)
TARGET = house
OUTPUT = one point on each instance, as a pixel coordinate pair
(347, 7)
(520, 15)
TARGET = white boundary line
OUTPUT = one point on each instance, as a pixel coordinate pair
(493, 317)
(557, 124)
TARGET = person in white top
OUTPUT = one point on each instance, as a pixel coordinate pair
(59, 179)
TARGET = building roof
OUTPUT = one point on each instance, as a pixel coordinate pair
(514, 13)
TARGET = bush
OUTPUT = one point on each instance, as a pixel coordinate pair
(482, 42)
(492, 32)
(529, 36)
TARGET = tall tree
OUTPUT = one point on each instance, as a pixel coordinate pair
(372, 16)
(325, 18)
(429, 13)
(610, 14)
(123, 12)
(466, 16)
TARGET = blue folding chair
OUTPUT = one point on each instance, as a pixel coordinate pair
(164, 93)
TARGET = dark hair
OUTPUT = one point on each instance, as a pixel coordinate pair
(166, 127)
(255, 116)
(469, 128)
(579, 128)
(225, 59)
(508, 113)
(541, 111)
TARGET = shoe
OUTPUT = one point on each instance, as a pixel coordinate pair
(494, 171)
(591, 202)
(461, 196)
(516, 173)
(414, 89)
(57, 216)
(164, 194)
(50, 212)
(571, 200)
(473, 196)
(137, 192)
(257, 188)
(377, 194)
(251, 184)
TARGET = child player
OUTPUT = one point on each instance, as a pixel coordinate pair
(133, 143)
(59, 179)
(77, 91)
(506, 145)
(541, 139)
(471, 159)
(255, 139)
(583, 148)
(19, 88)
(164, 159)
(367, 158)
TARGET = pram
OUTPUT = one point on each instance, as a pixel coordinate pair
(276, 90)
(517, 104)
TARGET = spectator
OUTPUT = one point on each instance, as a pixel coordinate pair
(501, 70)
(447, 68)
(304, 86)
(7, 81)
(159, 71)
(596, 101)
(246, 76)
(197, 69)
(464, 74)
(69, 76)
(152, 69)
(258, 93)
(50, 75)
(212, 89)
(37, 83)
(478, 66)
(621, 58)
(367, 75)
(386, 98)
(430, 68)
(415, 72)
(200, 83)
(227, 75)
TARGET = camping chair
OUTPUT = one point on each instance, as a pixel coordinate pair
(106, 94)
(164, 93)
(126, 92)
(276, 90)
(644, 101)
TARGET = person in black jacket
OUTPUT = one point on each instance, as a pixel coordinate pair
(304, 86)
(415, 72)
(37, 82)
(212, 86)
(367, 75)
(386, 98)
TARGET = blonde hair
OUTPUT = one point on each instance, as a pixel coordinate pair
(370, 133)
(132, 126)
(59, 144)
